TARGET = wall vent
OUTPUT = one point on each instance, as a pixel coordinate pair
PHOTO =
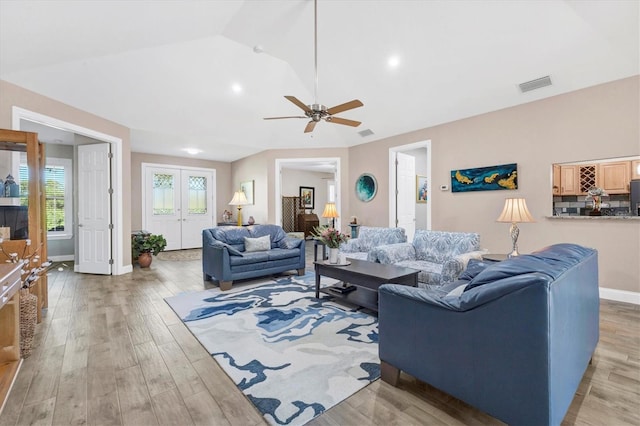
(535, 84)
(365, 133)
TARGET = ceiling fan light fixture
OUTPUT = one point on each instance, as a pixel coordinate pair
(315, 111)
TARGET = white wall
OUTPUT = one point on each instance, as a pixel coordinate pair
(293, 179)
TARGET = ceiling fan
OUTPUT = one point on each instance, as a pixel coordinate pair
(317, 112)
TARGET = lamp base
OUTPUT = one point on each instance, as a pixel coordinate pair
(239, 216)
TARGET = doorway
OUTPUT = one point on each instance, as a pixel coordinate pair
(327, 166)
(178, 202)
(409, 204)
(22, 116)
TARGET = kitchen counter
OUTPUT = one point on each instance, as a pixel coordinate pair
(629, 218)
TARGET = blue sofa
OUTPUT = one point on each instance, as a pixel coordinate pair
(225, 259)
(512, 338)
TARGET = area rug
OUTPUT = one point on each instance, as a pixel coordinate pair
(292, 355)
(190, 254)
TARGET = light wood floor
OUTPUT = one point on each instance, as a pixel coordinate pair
(110, 351)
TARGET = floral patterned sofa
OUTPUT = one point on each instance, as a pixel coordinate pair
(370, 237)
(439, 256)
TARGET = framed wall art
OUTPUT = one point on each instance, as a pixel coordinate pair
(504, 176)
(421, 189)
(366, 187)
(307, 197)
(248, 187)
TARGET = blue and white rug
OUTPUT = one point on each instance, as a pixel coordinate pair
(293, 356)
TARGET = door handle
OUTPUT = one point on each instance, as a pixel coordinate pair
(79, 225)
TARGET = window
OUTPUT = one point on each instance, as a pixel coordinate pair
(59, 193)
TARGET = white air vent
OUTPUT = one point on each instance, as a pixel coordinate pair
(365, 133)
(535, 84)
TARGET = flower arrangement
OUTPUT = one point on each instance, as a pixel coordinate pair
(331, 237)
(32, 269)
(595, 195)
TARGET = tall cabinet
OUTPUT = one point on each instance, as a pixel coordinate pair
(23, 219)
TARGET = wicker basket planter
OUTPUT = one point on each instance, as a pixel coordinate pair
(28, 319)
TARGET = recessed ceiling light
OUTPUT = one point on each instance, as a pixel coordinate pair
(192, 151)
(393, 61)
(236, 88)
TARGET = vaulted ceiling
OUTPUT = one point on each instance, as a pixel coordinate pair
(203, 74)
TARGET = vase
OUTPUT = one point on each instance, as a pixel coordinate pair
(333, 255)
(145, 260)
(28, 319)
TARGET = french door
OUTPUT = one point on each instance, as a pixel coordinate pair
(178, 203)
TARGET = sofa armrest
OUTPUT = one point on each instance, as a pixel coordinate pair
(215, 259)
(453, 267)
(393, 253)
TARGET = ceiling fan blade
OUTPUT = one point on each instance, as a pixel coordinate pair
(310, 126)
(298, 103)
(345, 107)
(338, 120)
(280, 118)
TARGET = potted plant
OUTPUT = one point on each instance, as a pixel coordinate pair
(144, 245)
(332, 238)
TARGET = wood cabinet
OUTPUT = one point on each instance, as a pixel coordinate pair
(614, 177)
(306, 223)
(568, 180)
(36, 238)
(556, 180)
(9, 327)
(635, 169)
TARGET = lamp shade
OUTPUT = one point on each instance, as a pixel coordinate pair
(515, 211)
(239, 199)
(330, 210)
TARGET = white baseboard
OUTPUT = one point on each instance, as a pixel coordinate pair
(620, 295)
(63, 258)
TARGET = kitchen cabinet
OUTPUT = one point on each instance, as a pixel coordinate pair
(557, 180)
(568, 180)
(635, 169)
(614, 177)
(587, 178)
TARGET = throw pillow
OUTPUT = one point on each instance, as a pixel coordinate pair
(257, 244)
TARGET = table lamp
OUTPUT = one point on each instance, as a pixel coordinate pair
(239, 199)
(515, 210)
(330, 212)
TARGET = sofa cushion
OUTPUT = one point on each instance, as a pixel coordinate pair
(231, 235)
(278, 253)
(552, 263)
(257, 244)
(474, 267)
(438, 246)
(370, 237)
(249, 258)
(290, 243)
(275, 233)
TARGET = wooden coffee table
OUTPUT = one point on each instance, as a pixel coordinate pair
(367, 277)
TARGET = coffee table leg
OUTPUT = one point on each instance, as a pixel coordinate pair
(317, 282)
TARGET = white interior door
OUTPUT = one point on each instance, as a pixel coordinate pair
(94, 209)
(197, 206)
(162, 205)
(405, 193)
(179, 204)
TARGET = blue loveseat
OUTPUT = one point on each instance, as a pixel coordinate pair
(225, 258)
(512, 338)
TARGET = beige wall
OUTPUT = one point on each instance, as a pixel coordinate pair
(598, 122)
(223, 181)
(12, 95)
